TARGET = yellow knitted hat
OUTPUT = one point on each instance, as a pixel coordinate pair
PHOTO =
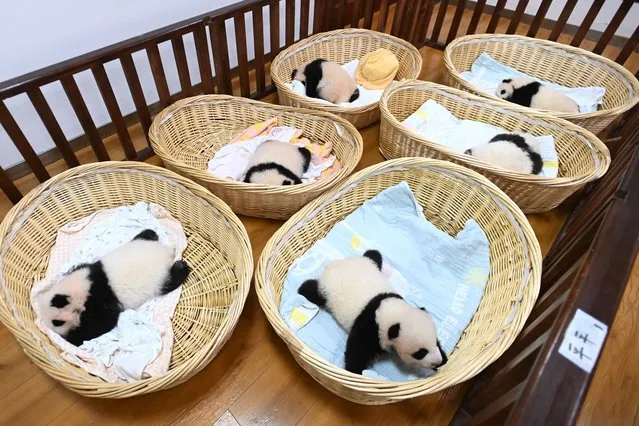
(377, 69)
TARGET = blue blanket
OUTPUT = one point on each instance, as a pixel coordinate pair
(426, 266)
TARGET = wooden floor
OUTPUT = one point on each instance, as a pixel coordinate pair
(254, 379)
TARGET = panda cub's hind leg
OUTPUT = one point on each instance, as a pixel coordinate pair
(177, 275)
(310, 290)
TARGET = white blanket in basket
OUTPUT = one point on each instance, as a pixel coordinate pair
(141, 344)
(366, 96)
(435, 123)
(486, 74)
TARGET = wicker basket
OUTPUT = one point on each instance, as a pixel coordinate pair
(451, 195)
(188, 133)
(218, 252)
(582, 157)
(549, 61)
(341, 46)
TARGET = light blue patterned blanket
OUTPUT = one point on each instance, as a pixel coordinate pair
(426, 266)
(486, 74)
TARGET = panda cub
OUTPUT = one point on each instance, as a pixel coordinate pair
(327, 80)
(376, 319)
(88, 301)
(277, 163)
(530, 93)
(519, 153)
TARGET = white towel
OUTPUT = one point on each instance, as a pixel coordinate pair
(486, 74)
(141, 344)
(434, 122)
(366, 96)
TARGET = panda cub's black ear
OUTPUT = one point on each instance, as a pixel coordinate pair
(507, 80)
(293, 74)
(375, 256)
(393, 331)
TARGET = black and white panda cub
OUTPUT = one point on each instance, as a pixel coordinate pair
(327, 80)
(88, 301)
(376, 319)
(530, 93)
(511, 151)
(277, 163)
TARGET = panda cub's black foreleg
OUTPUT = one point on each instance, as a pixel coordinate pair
(177, 275)
(310, 290)
(359, 354)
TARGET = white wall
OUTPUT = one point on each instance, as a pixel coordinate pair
(43, 32)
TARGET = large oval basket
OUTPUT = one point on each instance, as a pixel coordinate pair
(187, 134)
(212, 299)
(549, 61)
(582, 157)
(341, 46)
(450, 195)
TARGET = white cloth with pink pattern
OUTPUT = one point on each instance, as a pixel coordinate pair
(140, 346)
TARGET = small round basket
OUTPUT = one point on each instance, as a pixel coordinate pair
(549, 61)
(582, 156)
(450, 195)
(341, 46)
(187, 134)
(212, 298)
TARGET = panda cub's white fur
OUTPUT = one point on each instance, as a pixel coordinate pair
(376, 319)
(277, 163)
(530, 93)
(87, 302)
(326, 80)
(511, 151)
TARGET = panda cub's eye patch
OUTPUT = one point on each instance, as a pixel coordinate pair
(57, 323)
(503, 92)
(420, 354)
(59, 301)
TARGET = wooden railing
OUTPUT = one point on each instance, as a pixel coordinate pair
(531, 383)
(587, 268)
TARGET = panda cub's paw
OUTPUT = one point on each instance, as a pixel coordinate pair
(310, 290)
(148, 235)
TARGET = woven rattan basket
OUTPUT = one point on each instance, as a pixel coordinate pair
(341, 46)
(187, 134)
(582, 157)
(450, 195)
(212, 299)
(549, 61)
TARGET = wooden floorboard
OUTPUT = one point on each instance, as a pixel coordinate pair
(254, 379)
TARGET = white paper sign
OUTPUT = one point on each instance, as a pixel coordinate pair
(583, 340)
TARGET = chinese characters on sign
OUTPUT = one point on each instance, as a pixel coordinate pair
(583, 340)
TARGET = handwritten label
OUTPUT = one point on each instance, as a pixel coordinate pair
(583, 340)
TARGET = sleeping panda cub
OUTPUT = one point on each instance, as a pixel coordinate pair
(530, 93)
(511, 151)
(327, 80)
(88, 301)
(277, 163)
(376, 319)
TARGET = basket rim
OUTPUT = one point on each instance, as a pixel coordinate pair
(173, 376)
(632, 82)
(341, 125)
(600, 152)
(401, 390)
(347, 32)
